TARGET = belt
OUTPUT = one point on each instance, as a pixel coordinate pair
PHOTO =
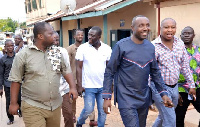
(172, 86)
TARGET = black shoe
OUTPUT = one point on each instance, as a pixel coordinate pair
(10, 122)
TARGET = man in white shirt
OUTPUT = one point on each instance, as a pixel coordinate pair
(92, 58)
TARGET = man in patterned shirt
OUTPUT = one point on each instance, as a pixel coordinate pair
(193, 51)
(172, 59)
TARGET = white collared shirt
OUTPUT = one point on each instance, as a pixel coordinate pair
(94, 64)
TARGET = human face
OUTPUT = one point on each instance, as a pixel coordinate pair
(93, 37)
(9, 46)
(17, 40)
(141, 28)
(187, 35)
(168, 29)
(79, 36)
(48, 38)
(56, 39)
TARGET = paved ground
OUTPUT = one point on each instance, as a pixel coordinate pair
(113, 119)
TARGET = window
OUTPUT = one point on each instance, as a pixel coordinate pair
(29, 6)
(26, 8)
(40, 3)
(34, 4)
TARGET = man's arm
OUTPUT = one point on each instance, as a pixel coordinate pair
(70, 80)
(1, 77)
(111, 68)
(185, 70)
(14, 91)
(79, 66)
(159, 83)
(19, 47)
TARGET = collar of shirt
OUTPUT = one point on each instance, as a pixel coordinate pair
(159, 41)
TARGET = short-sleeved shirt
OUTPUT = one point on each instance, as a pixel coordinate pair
(94, 64)
(72, 49)
(64, 86)
(41, 73)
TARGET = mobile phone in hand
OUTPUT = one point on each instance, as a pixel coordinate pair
(190, 97)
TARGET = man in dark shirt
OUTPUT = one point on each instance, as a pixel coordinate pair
(131, 62)
(5, 67)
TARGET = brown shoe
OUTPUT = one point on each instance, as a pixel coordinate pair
(93, 123)
(9, 122)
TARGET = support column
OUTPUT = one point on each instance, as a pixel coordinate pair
(105, 28)
(61, 33)
(158, 8)
(78, 24)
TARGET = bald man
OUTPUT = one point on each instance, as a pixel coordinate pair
(131, 62)
(172, 59)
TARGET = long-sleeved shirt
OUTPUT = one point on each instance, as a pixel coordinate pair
(5, 67)
(173, 62)
(194, 62)
(130, 65)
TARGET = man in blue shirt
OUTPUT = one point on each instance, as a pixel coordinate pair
(131, 63)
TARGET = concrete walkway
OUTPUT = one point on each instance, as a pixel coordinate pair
(113, 119)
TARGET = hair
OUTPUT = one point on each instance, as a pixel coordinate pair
(78, 30)
(54, 32)
(18, 35)
(135, 18)
(39, 28)
(98, 29)
(165, 20)
(189, 28)
(8, 41)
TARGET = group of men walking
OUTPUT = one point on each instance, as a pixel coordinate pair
(165, 71)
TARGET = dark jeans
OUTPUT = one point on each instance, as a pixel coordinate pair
(134, 117)
(7, 95)
(181, 110)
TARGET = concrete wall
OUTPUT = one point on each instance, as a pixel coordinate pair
(185, 14)
(52, 6)
(68, 25)
(113, 19)
(127, 14)
(56, 25)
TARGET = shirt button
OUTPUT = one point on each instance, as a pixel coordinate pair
(51, 92)
(50, 82)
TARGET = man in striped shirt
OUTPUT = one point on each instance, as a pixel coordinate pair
(172, 59)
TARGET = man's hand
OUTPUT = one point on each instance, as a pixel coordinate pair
(80, 91)
(106, 105)
(13, 108)
(167, 101)
(21, 44)
(192, 92)
(74, 93)
(180, 100)
(1, 92)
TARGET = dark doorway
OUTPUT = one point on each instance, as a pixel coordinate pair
(116, 35)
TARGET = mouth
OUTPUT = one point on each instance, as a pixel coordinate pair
(170, 35)
(144, 33)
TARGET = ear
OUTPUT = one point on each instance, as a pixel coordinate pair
(40, 36)
(132, 27)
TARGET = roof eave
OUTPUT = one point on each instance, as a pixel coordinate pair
(100, 13)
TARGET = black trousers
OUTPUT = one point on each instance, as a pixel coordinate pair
(7, 95)
(181, 110)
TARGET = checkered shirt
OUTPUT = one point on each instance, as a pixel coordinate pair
(173, 62)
